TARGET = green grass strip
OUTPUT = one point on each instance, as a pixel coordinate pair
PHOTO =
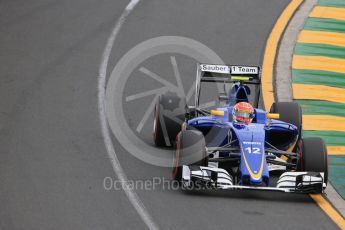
(309, 49)
(325, 24)
(334, 3)
(311, 107)
(317, 77)
(337, 173)
(332, 138)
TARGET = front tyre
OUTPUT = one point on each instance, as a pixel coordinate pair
(314, 157)
(190, 150)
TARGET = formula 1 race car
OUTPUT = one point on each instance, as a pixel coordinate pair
(216, 149)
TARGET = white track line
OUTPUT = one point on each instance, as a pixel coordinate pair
(132, 196)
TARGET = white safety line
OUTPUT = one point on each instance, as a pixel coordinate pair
(132, 196)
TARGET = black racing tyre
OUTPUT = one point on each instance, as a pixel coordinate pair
(169, 114)
(313, 155)
(289, 112)
(190, 150)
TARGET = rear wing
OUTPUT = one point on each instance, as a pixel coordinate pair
(228, 74)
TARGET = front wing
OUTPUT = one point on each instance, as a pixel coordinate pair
(217, 178)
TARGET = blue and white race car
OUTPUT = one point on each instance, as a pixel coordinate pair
(237, 145)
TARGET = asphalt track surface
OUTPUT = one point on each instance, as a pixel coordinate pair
(52, 156)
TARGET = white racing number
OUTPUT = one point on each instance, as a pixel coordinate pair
(253, 150)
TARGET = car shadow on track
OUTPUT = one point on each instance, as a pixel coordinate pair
(255, 195)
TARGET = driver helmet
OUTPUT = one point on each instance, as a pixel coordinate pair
(243, 112)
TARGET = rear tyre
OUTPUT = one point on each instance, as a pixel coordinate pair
(314, 156)
(190, 150)
(169, 114)
(289, 112)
